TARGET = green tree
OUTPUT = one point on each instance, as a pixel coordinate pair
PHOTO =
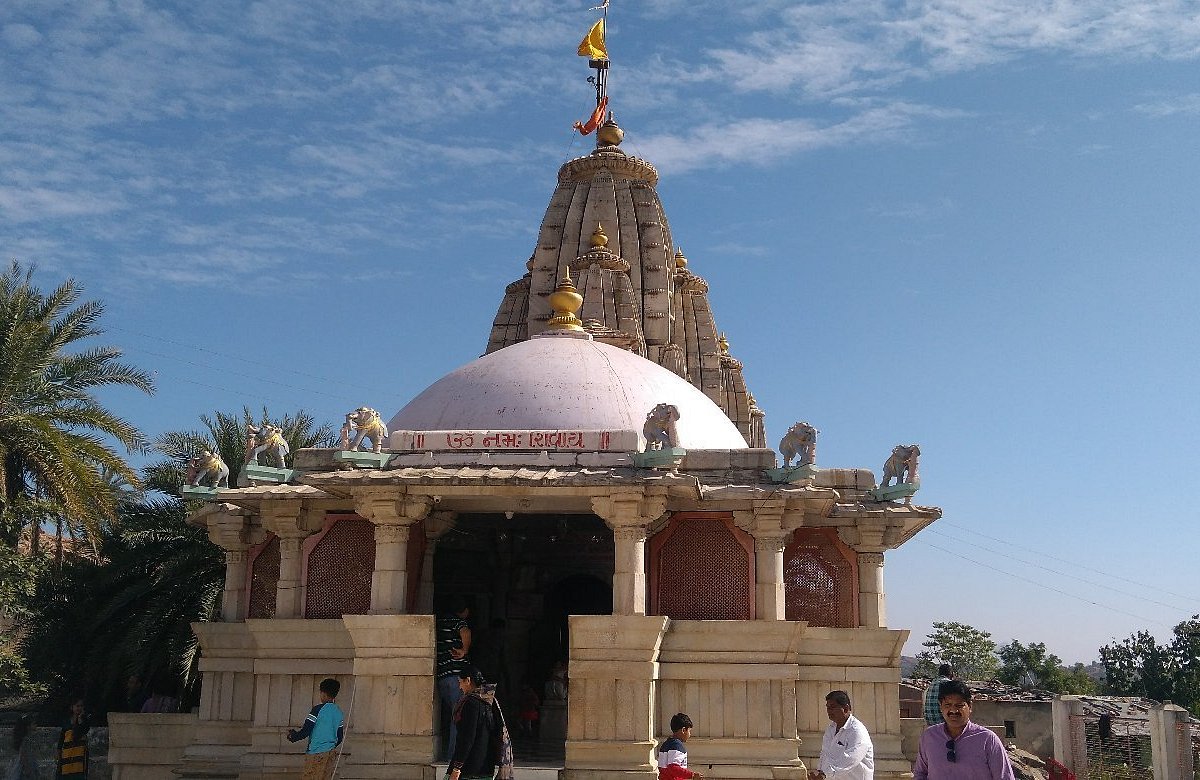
(225, 434)
(1140, 666)
(1032, 665)
(94, 622)
(53, 431)
(970, 651)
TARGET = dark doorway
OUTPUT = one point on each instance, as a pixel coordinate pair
(523, 577)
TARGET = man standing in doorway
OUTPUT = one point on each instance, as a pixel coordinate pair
(846, 749)
(453, 643)
(959, 749)
(933, 711)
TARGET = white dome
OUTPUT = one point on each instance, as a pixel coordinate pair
(565, 383)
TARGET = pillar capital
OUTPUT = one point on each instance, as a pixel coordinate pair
(771, 542)
(870, 558)
(624, 508)
(389, 507)
(282, 518)
(229, 529)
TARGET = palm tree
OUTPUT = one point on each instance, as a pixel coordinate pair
(96, 621)
(225, 434)
(53, 431)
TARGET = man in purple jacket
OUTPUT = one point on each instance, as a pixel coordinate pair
(959, 749)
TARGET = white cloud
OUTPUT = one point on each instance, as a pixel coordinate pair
(1179, 105)
(761, 141)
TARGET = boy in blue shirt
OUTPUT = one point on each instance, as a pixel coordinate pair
(324, 728)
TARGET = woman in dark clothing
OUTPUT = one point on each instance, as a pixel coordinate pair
(483, 747)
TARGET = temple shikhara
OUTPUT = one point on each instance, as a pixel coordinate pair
(598, 486)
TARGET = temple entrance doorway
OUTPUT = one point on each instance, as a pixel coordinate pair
(523, 576)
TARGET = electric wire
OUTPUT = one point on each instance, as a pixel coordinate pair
(1074, 563)
(959, 556)
(936, 532)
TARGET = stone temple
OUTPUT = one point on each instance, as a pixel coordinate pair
(700, 577)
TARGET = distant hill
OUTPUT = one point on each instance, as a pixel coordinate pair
(907, 664)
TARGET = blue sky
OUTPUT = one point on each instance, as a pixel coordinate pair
(965, 223)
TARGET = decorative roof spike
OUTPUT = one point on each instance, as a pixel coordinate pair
(599, 239)
(566, 302)
(724, 342)
(680, 260)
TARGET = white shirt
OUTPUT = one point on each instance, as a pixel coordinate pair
(847, 753)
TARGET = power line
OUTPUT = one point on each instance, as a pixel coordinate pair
(1073, 563)
(1072, 576)
(958, 554)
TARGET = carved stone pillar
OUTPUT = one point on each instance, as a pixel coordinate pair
(392, 515)
(389, 581)
(436, 524)
(282, 518)
(629, 513)
(233, 597)
(228, 529)
(769, 597)
(768, 523)
(872, 611)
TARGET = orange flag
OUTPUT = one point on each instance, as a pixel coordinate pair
(594, 120)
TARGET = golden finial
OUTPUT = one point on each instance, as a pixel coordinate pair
(609, 134)
(599, 239)
(566, 302)
(724, 342)
(680, 260)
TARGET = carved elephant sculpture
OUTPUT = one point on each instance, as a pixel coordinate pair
(209, 469)
(799, 442)
(267, 438)
(367, 424)
(659, 429)
(901, 465)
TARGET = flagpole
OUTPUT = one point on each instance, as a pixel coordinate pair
(600, 66)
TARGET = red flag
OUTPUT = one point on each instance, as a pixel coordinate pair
(594, 120)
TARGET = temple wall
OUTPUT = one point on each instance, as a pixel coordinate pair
(755, 690)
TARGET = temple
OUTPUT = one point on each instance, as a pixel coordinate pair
(598, 486)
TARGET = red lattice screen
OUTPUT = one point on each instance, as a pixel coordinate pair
(702, 569)
(339, 570)
(264, 580)
(820, 581)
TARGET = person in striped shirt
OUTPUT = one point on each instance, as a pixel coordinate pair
(672, 753)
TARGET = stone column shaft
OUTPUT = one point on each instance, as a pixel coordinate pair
(770, 602)
(287, 595)
(872, 612)
(233, 597)
(389, 582)
(629, 571)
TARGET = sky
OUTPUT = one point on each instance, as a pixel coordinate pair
(970, 224)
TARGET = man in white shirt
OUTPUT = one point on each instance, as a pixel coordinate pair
(846, 749)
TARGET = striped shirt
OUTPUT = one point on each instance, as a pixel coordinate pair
(449, 638)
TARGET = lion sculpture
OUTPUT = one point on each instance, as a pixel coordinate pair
(901, 465)
(367, 424)
(266, 438)
(208, 468)
(659, 429)
(800, 442)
